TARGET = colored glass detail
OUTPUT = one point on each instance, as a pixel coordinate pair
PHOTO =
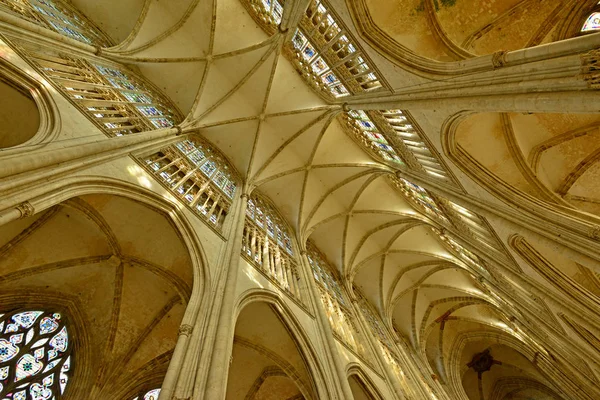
(34, 356)
(60, 17)
(592, 23)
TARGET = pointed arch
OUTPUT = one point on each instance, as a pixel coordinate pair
(29, 115)
(319, 388)
(364, 382)
(160, 318)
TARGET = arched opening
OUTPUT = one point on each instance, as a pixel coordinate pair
(267, 360)
(97, 256)
(19, 118)
(360, 388)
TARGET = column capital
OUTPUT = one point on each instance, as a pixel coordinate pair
(26, 209)
(185, 330)
(590, 68)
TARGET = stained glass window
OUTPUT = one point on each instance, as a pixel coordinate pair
(398, 123)
(35, 355)
(268, 11)
(461, 252)
(119, 101)
(592, 23)
(267, 245)
(60, 17)
(421, 198)
(196, 173)
(367, 132)
(150, 395)
(321, 48)
(324, 273)
(264, 216)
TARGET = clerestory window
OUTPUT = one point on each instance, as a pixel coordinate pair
(198, 175)
(116, 99)
(60, 17)
(267, 245)
(322, 49)
(334, 301)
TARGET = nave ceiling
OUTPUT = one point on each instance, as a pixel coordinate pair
(233, 82)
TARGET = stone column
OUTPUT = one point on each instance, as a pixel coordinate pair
(338, 373)
(293, 11)
(222, 317)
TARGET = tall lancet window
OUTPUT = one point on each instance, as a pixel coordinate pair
(337, 307)
(58, 16)
(267, 245)
(35, 355)
(198, 175)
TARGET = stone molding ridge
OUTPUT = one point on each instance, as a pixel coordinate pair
(590, 68)
(26, 209)
(185, 330)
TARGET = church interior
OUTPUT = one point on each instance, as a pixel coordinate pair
(299, 200)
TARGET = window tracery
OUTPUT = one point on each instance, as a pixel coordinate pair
(367, 132)
(465, 255)
(385, 344)
(324, 50)
(403, 129)
(117, 100)
(269, 13)
(392, 136)
(420, 198)
(150, 395)
(334, 301)
(267, 244)
(35, 355)
(198, 175)
(60, 17)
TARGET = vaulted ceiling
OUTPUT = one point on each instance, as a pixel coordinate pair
(233, 82)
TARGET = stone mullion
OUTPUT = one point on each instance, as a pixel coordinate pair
(293, 12)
